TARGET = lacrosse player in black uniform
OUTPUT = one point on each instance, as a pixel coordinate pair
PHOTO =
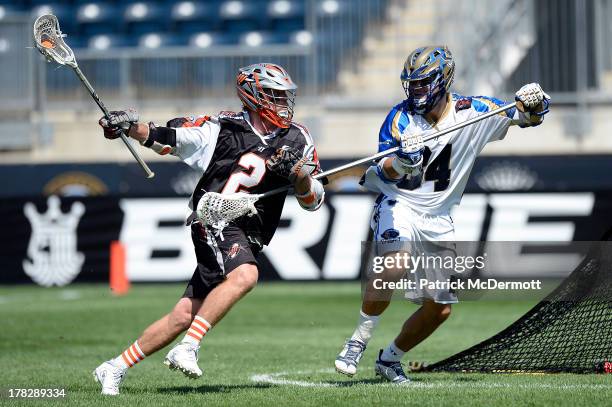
(253, 151)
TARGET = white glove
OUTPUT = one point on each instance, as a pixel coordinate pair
(411, 148)
(409, 158)
(532, 97)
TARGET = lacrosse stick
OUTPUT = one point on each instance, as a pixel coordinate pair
(49, 40)
(217, 210)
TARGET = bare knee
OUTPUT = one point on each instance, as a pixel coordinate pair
(444, 313)
(244, 277)
(182, 314)
(437, 312)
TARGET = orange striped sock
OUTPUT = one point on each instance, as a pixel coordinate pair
(130, 356)
(198, 329)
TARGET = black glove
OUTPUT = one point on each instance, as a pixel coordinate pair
(288, 163)
(117, 121)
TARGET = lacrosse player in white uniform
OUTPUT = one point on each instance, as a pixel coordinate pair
(420, 184)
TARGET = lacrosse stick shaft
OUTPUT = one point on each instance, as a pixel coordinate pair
(373, 157)
(96, 98)
(427, 138)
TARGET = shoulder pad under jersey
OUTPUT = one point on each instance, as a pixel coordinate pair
(227, 114)
(189, 121)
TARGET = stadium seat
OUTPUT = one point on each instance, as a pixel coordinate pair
(262, 38)
(302, 38)
(12, 6)
(155, 40)
(106, 41)
(208, 39)
(34, 3)
(190, 17)
(6, 9)
(153, 24)
(145, 17)
(98, 18)
(242, 16)
(286, 15)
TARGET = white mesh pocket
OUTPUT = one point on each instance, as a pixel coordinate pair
(217, 210)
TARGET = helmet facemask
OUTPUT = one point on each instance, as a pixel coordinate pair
(276, 106)
(427, 76)
(423, 94)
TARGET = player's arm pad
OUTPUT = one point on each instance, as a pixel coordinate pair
(313, 199)
(371, 179)
(162, 140)
(405, 167)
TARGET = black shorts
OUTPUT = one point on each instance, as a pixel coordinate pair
(217, 257)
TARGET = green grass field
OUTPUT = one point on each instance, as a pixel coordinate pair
(275, 348)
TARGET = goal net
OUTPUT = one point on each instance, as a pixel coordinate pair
(569, 331)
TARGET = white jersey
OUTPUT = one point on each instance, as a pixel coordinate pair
(447, 160)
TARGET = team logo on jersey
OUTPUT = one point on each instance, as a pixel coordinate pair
(390, 234)
(52, 251)
(234, 250)
(463, 104)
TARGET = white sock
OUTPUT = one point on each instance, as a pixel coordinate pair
(365, 327)
(118, 361)
(392, 353)
(198, 329)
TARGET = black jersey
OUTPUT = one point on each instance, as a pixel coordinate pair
(238, 164)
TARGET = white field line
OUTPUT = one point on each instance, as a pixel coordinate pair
(69, 295)
(279, 379)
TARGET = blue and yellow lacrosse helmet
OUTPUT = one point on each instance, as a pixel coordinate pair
(427, 77)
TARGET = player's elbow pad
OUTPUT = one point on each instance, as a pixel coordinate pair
(313, 199)
(162, 140)
(373, 176)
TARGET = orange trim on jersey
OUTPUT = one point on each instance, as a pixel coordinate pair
(201, 120)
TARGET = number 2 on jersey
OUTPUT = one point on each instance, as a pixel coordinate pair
(255, 167)
(438, 170)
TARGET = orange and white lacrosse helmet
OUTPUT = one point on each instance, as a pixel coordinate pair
(267, 89)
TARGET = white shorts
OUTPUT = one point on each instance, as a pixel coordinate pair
(397, 227)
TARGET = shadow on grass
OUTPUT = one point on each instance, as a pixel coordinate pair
(213, 388)
(414, 379)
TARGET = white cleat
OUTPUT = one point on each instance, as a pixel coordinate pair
(348, 359)
(110, 377)
(184, 357)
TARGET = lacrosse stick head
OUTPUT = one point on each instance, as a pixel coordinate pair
(218, 210)
(49, 40)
